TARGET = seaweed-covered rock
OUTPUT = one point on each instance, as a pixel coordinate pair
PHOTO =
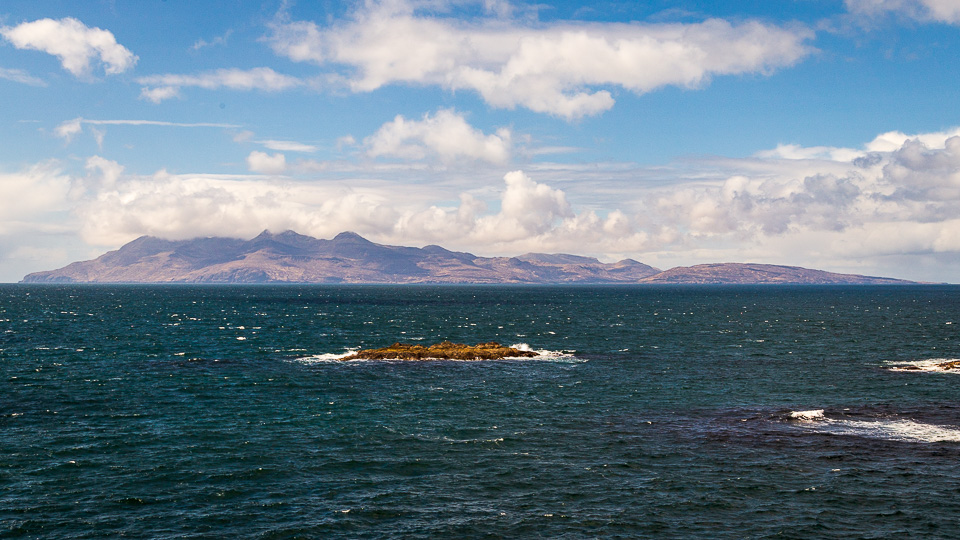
(441, 351)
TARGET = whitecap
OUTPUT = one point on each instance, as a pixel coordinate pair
(546, 354)
(894, 430)
(807, 416)
(905, 430)
(930, 365)
(324, 358)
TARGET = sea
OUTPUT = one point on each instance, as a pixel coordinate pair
(216, 411)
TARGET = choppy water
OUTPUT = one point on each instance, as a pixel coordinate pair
(718, 412)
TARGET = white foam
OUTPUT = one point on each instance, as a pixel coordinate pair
(325, 358)
(891, 430)
(807, 416)
(930, 365)
(545, 354)
(897, 430)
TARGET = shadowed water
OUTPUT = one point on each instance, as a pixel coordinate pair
(669, 412)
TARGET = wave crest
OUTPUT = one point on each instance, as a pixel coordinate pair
(891, 429)
(930, 365)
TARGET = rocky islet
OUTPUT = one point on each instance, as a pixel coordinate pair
(444, 350)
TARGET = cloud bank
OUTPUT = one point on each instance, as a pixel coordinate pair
(896, 196)
(830, 207)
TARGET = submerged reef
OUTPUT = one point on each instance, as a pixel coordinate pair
(441, 351)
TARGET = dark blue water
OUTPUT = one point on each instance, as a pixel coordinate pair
(201, 412)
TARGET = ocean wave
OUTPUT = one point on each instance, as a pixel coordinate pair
(807, 416)
(901, 429)
(930, 365)
(325, 358)
(894, 430)
(546, 354)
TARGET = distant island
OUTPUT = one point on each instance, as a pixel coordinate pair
(289, 257)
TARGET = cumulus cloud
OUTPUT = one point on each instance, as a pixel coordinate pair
(188, 206)
(798, 206)
(75, 44)
(563, 69)
(102, 173)
(945, 11)
(158, 88)
(445, 135)
(261, 162)
(903, 198)
(529, 216)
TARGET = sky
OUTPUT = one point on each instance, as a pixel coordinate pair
(815, 133)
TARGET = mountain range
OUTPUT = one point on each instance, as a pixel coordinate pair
(289, 257)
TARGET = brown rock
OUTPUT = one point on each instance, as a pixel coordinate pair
(441, 351)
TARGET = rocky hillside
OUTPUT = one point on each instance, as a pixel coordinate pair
(349, 258)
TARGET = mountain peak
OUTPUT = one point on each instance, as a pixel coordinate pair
(350, 236)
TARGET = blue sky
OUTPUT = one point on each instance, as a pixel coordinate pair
(806, 132)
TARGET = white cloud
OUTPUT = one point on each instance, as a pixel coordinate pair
(892, 140)
(69, 128)
(531, 216)
(160, 87)
(261, 162)
(20, 76)
(945, 11)
(288, 146)
(29, 198)
(219, 40)
(103, 173)
(814, 207)
(445, 135)
(526, 209)
(160, 93)
(564, 69)
(188, 206)
(345, 141)
(75, 44)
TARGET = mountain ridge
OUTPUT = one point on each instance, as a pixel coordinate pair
(290, 257)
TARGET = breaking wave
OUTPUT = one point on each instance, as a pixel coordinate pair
(325, 358)
(807, 416)
(931, 365)
(899, 429)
